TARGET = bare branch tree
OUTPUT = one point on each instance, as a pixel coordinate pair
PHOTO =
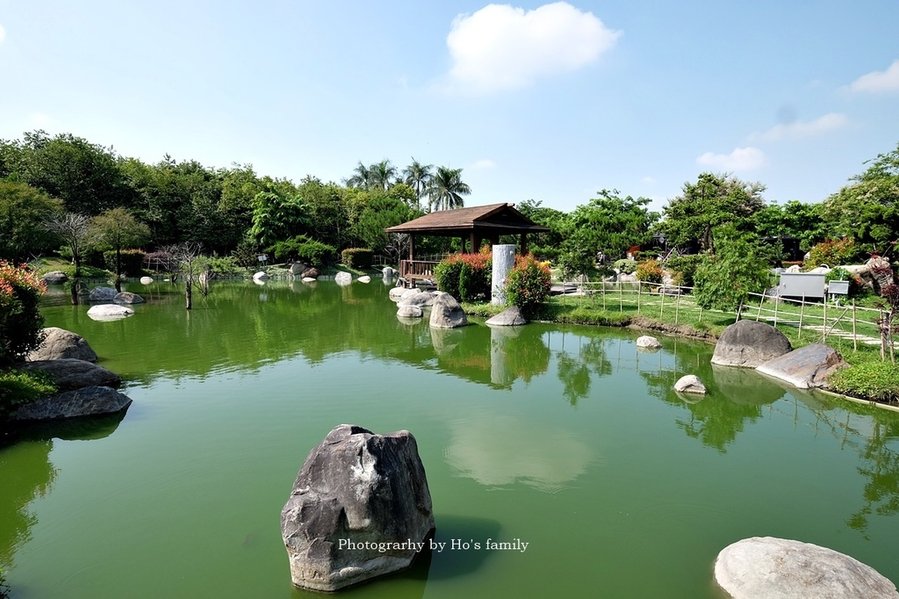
(74, 231)
(187, 256)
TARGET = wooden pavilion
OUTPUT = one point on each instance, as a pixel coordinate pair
(472, 225)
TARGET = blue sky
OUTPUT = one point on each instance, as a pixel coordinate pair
(545, 101)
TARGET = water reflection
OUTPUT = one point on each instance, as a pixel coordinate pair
(499, 449)
(576, 370)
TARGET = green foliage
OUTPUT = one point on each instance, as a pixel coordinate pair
(793, 220)
(832, 253)
(710, 202)
(447, 188)
(465, 276)
(359, 258)
(838, 274)
(18, 387)
(649, 271)
(868, 208)
(527, 285)
(223, 266)
(871, 379)
(374, 211)
(24, 213)
(277, 216)
(608, 225)
(546, 246)
(305, 250)
(245, 254)
(684, 268)
(447, 275)
(132, 261)
(724, 280)
(20, 319)
(625, 266)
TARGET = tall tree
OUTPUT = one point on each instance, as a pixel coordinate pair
(24, 212)
(383, 175)
(74, 232)
(361, 178)
(447, 188)
(115, 230)
(418, 176)
(711, 201)
(868, 208)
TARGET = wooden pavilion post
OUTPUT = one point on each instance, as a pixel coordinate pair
(523, 244)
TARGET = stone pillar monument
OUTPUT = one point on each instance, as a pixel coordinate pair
(503, 261)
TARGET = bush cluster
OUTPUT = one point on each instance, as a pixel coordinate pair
(132, 262)
(684, 268)
(832, 252)
(358, 258)
(304, 249)
(20, 320)
(465, 276)
(649, 271)
(528, 284)
(625, 266)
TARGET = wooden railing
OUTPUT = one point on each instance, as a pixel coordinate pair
(416, 270)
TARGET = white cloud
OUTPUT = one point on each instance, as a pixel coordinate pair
(2, 33)
(484, 163)
(800, 129)
(503, 47)
(741, 159)
(878, 81)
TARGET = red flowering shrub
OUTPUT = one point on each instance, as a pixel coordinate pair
(528, 284)
(20, 320)
(465, 276)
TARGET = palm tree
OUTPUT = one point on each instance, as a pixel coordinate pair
(447, 188)
(418, 176)
(382, 174)
(362, 177)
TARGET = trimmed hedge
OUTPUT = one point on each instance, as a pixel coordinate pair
(358, 258)
(465, 276)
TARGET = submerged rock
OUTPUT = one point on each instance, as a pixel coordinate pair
(396, 293)
(355, 491)
(446, 313)
(689, 383)
(509, 317)
(748, 343)
(69, 373)
(109, 312)
(87, 401)
(59, 343)
(805, 367)
(126, 297)
(364, 279)
(102, 294)
(409, 311)
(648, 342)
(782, 568)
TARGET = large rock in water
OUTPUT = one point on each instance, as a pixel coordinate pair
(102, 294)
(689, 383)
(126, 297)
(446, 313)
(68, 373)
(648, 342)
(109, 312)
(409, 311)
(359, 508)
(416, 297)
(805, 367)
(396, 293)
(784, 569)
(343, 278)
(748, 343)
(60, 343)
(510, 317)
(87, 401)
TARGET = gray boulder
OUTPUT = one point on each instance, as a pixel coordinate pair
(689, 383)
(260, 276)
(55, 277)
(109, 312)
(87, 401)
(60, 343)
(297, 269)
(310, 273)
(409, 311)
(396, 293)
(748, 343)
(806, 367)
(446, 313)
(126, 297)
(364, 279)
(343, 278)
(417, 297)
(782, 568)
(389, 272)
(648, 342)
(102, 294)
(69, 373)
(509, 317)
(356, 494)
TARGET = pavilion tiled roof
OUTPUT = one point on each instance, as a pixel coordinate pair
(501, 217)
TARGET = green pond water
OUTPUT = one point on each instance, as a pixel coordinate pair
(566, 438)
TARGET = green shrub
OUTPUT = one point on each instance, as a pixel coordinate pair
(358, 258)
(724, 280)
(19, 387)
(833, 252)
(132, 262)
(465, 276)
(528, 284)
(684, 268)
(625, 266)
(20, 319)
(304, 249)
(649, 271)
(870, 380)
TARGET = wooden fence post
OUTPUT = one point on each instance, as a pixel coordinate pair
(854, 336)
